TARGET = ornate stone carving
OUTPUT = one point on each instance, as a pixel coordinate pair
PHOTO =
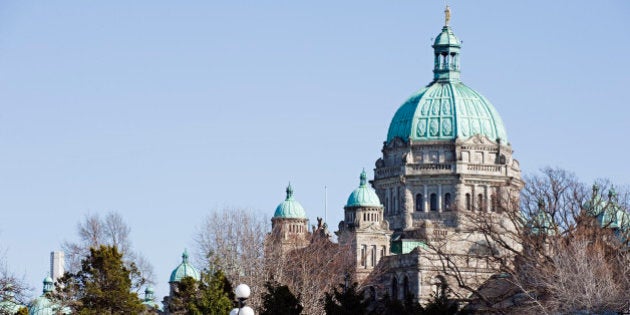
(434, 127)
(447, 127)
(421, 129)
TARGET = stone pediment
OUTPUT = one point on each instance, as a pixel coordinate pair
(476, 140)
(374, 227)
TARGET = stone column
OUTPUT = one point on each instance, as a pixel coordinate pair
(425, 198)
(439, 198)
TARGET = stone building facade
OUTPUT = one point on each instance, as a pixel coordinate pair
(446, 158)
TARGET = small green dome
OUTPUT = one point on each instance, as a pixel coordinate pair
(290, 208)
(149, 299)
(364, 196)
(446, 109)
(42, 305)
(185, 269)
(541, 223)
(608, 213)
(447, 38)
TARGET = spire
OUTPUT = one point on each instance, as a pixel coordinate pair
(363, 179)
(446, 48)
(289, 192)
(185, 256)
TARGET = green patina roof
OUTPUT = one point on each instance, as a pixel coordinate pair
(290, 208)
(364, 196)
(447, 38)
(609, 213)
(149, 299)
(405, 246)
(541, 223)
(42, 305)
(185, 269)
(446, 109)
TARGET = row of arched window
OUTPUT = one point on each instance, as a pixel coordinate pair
(295, 228)
(477, 202)
(439, 286)
(370, 216)
(480, 203)
(405, 287)
(433, 202)
(369, 256)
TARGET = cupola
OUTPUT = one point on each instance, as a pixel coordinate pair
(185, 269)
(363, 196)
(290, 208)
(446, 109)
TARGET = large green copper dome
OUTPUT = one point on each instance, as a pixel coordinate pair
(290, 208)
(446, 109)
(363, 196)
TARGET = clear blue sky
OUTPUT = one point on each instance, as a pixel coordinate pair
(166, 110)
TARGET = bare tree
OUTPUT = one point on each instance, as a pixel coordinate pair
(240, 243)
(312, 270)
(111, 230)
(13, 289)
(232, 240)
(551, 250)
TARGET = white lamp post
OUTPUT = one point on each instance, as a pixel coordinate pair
(242, 293)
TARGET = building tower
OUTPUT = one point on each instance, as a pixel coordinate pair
(446, 150)
(183, 270)
(289, 225)
(363, 229)
(446, 157)
(43, 305)
(57, 262)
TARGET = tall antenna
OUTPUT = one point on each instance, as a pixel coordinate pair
(325, 204)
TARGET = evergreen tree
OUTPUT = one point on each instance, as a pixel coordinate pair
(183, 299)
(103, 285)
(389, 306)
(213, 299)
(205, 297)
(279, 300)
(440, 303)
(345, 301)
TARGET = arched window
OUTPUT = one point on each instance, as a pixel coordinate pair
(468, 202)
(419, 203)
(447, 202)
(493, 203)
(440, 285)
(434, 203)
(480, 202)
(406, 287)
(394, 288)
(363, 255)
